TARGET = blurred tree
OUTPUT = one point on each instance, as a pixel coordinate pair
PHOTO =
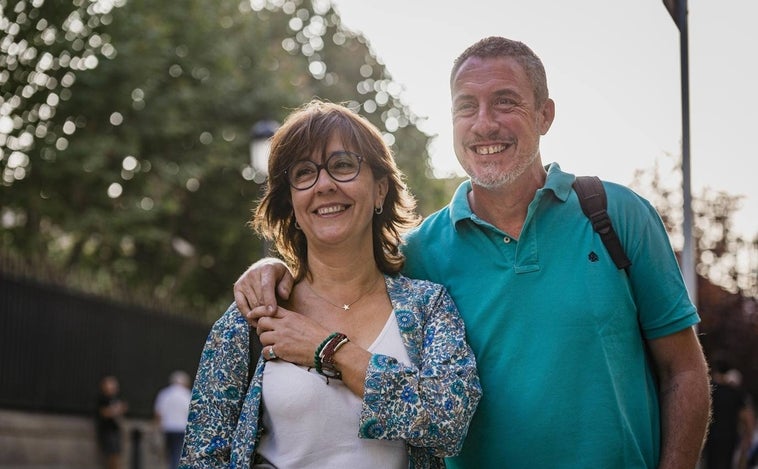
(726, 263)
(723, 256)
(44, 48)
(124, 146)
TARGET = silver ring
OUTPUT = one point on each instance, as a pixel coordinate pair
(271, 354)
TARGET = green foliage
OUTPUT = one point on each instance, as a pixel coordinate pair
(128, 164)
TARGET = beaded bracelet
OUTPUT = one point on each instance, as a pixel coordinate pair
(317, 355)
(324, 356)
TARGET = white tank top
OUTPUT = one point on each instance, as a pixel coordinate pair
(310, 424)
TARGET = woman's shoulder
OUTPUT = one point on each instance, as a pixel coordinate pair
(410, 293)
(231, 323)
(401, 282)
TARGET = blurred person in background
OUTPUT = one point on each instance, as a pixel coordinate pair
(730, 434)
(110, 410)
(171, 409)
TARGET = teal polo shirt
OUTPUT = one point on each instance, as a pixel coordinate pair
(556, 328)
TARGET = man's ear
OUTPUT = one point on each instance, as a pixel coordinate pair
(547, 114)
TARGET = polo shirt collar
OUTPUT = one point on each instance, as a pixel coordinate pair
(459, 206)
(557, 181)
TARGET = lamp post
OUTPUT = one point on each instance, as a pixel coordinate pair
(678, 11)
(260, 149)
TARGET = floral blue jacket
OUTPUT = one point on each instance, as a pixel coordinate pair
(429, 405)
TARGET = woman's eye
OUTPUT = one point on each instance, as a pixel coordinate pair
(342, 164)
(303, 172)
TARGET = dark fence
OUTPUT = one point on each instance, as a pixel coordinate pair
(56, 344)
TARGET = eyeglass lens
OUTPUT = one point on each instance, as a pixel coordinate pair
(342, 166)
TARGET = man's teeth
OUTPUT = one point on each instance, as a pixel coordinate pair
(332, 209)
(490, 149)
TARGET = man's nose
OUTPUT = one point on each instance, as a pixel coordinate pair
(485, 123)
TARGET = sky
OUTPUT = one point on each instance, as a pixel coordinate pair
(613, 69)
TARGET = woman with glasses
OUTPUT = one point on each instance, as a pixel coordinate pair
(360, 367)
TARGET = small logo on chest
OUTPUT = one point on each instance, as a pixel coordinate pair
(593, 257)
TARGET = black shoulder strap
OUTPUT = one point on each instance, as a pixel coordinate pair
(593, 200)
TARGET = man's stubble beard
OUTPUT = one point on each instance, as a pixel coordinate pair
(494, 179)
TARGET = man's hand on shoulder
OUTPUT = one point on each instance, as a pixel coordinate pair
(260, 285)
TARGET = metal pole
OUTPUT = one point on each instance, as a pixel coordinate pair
(688, 250)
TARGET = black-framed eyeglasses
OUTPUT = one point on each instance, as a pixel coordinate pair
(342, 166)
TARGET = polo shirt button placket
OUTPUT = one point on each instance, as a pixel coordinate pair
(507, 239)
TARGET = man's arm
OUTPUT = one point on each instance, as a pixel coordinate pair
(260, 284)
(685, 394)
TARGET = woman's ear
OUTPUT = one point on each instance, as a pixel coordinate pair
(382, 187)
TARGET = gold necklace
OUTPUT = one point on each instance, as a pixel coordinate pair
(345, 306)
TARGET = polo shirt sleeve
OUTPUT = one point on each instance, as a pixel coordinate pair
(659, 291)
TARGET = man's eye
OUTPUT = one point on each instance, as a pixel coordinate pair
(463, 108)
(503, 101)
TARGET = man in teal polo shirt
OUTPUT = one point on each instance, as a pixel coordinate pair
(556, 328)
(582, 365)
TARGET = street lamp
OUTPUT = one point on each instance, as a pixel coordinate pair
(260, 148)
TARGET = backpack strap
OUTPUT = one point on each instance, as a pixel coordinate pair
(594, 202)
